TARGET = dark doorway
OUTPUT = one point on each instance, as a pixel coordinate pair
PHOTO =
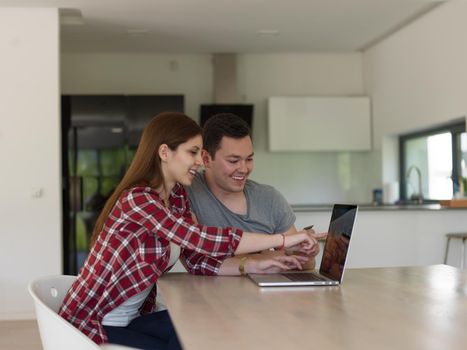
(100, 134)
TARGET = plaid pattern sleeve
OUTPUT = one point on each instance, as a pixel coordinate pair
(143, 206)
(132, 252)
(195, 263)
(199, 264)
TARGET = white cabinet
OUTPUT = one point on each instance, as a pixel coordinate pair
(319, 123)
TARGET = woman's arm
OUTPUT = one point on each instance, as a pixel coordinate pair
(145, 208)
(255, 242)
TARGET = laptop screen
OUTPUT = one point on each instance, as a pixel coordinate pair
(337, 242)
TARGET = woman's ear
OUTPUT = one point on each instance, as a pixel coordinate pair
(163, 152)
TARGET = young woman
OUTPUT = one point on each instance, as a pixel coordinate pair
(139, 234)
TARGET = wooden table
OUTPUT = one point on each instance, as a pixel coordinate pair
(378, 308)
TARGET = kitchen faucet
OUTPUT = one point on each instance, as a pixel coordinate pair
(416, 196)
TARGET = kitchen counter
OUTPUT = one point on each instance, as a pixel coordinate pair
(393, 235)
(409, 235)
(301, 208)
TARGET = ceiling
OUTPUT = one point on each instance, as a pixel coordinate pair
(228, 26)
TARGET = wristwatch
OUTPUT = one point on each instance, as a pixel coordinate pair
(241, 267)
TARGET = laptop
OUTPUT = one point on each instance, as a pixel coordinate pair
(331, 270)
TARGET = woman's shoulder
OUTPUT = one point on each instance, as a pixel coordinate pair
(138, 191)
(140, 194)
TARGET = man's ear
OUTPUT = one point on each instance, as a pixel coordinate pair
(206, 158)
(163, 152)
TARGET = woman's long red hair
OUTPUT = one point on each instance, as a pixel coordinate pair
(170, 128)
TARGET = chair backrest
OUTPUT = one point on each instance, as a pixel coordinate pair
(56, 333)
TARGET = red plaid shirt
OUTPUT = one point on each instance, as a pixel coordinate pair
(132, 252)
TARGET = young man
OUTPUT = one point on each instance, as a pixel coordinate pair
(222, 195)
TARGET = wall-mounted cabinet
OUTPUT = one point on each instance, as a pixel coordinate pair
(319, 124)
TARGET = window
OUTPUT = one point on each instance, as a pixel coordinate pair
(433, 163)
(462, 152)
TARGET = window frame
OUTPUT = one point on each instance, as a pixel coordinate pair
(456, 128)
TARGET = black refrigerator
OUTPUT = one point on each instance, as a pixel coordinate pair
(100, 134)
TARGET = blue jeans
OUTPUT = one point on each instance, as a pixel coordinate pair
(150, 332)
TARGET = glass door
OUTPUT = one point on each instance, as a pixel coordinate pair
(97, 160)
(99, 136)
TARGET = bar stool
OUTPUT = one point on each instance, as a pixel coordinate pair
(463, 237)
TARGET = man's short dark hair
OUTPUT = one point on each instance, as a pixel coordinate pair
(220, 125)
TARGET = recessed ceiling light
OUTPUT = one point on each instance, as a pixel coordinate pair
(268, 32)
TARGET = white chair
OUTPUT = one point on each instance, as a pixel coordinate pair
(463, 237)
(56, 333)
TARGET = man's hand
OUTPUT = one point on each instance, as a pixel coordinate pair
(274, 262)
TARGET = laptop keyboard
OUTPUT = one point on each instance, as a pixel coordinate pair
(305, 276)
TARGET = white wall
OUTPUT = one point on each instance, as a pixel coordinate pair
(30, 233)
(140, 74)
(417, 77)
(328, 176)
(307, 177)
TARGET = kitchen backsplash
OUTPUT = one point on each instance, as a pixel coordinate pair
(320, 177)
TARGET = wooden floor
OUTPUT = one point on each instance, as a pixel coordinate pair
(19, 335)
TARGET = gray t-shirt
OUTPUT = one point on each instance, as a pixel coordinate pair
(267, 209)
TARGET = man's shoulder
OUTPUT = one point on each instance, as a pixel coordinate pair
(261, 189)
(199, 193)
(269, 204)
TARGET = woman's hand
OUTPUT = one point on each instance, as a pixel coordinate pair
(264, 263)
(312, 252)
(318, 235)
(302, 242)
